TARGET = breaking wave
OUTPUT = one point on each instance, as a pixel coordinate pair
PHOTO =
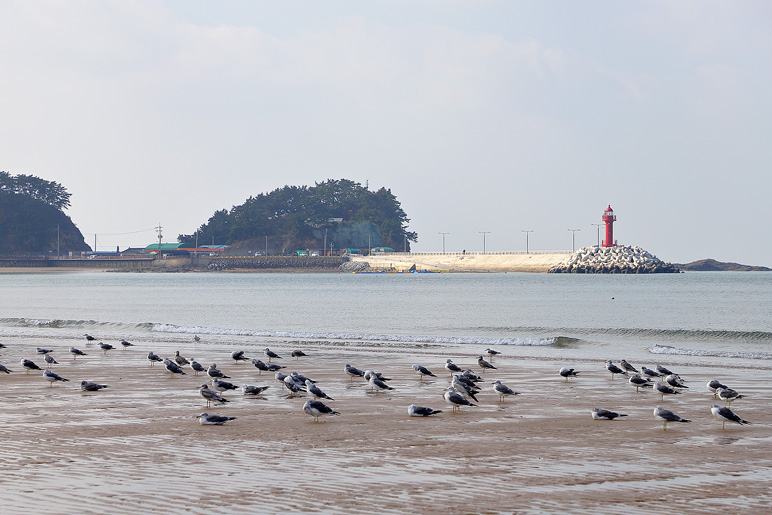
(654, 334)
(65, 324)
(666, 349)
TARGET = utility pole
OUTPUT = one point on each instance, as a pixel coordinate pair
(526, 239)
(159, 238)
(573, 232)
(266, 243)
(57, 240)
(443, 240)
(598, 226)
(324, 247)
(195, 251)
(484, 233)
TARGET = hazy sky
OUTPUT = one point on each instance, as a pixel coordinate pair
(479, 115)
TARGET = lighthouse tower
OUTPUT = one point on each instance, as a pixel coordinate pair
(609, 217)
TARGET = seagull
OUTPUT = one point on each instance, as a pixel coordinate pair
(484, 364)
(292, 384)
(316, 391)
(180, 360)
(126, 344)
(205, 419)
(2, 346)
(50, 360)
(223, 386)
(639, 382)
(87, 386)
(667, 416)
(28, 365)
(210, 395)
(472, 376)
(300, 379)
(503, 390)
(420, 411)
(3, 368)
(649, 372)
(41, 350)
(271, 354)
(263, 367)
(298, 354)
(627, 366)
(452, 367)
(51, 377)
(422, 371)
(492, 353)
(663, 371)
(196, 366)
(196, 338)
(664, 389)
(76, 352)
(602, 414)
(378, 384)
(455, 399)
(714, 385)
(238, 355)
(614, 369)
(153, 357)
(317, 408)
(726, 415)
(470, 392)
(728, 395)
(675, 381)
(353, 372)
(174, 368)
(213, 372)
(89, 338)
(105, 347)
(380, 376)
(568, 372)
(253, 390)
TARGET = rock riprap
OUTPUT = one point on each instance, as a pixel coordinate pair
(613, 260)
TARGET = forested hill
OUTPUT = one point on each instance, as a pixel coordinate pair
(299, 217)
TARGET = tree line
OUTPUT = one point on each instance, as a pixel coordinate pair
(296, 212)
(50, 192)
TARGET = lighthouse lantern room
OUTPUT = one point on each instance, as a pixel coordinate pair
(609, 218)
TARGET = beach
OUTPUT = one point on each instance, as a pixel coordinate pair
(137, 446)
(539, 262)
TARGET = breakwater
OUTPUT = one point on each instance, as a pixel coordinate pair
(613, 260)
(328, 263)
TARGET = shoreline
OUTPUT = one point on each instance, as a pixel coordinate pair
(116, 450)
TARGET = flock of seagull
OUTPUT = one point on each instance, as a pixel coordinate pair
(462, 391)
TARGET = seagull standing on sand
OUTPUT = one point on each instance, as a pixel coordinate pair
(568, 372)
(76, 352)
(376, 383)
(196, 366)
(675, 381)
(28, 365)
(503, 390)
(714, 385)
(126, 344)
(174, 368)
(422, 371)
(602, 414)
(353, 372)
(3, 368)
(484, 364)
(420, 411)
(271, 354)
(317, 408)
(153, 357)
(87, 386)
(728, 395)
(649, 372)
(205, 419)
(452, 367)
(667, 416)
(664, 389)
(614, 369)
(214, 372)
(263, 367)
(50, 360)
(455, 399)
(639, 382)
(316, 391)
(222, 386)
(210, 395)
(180, 360)
(52, 377)
(492, 353)
(663, 371)
(41, 350)
(238, 355)
(297, 354)
(89, 338)
(253, 390)
(726, 415)
(466, 389)
(627, 366)
(105, 347)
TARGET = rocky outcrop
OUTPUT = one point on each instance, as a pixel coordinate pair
(711, 265)
(613, 260)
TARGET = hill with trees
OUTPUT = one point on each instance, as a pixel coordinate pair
(340, 212)
(32, 220)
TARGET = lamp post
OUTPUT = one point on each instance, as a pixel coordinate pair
(443, 240)
(526, 239)
(598, 227)
(573, 232)
(484, 233)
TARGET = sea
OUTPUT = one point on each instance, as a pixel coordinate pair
(700, 318)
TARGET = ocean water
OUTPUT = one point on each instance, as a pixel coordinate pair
(710, 318)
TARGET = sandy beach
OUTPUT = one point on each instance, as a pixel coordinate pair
(466, 262)
(137, 447)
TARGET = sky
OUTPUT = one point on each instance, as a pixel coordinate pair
(485, 118)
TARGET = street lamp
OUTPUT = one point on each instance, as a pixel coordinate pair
(484, 233)
(526, 240)
(573, 232)
(598, 226)
(443, 240)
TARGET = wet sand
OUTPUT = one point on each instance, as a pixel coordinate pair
(137, 446)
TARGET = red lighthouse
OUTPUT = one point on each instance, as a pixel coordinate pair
(609, 217)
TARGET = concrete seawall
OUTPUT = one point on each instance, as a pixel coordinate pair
(469, 262)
